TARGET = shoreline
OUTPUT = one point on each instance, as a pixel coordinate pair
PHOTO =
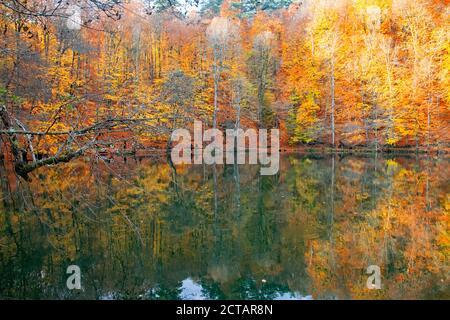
(321, 150)
(316, 151)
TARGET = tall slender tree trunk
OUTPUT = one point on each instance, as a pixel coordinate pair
(333, 103)
(430, 100)
(216, 89)
(216, 70)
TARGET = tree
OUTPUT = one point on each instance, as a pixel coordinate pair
(263, 67)
(304, 121)
(220, 33)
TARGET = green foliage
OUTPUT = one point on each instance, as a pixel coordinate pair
(6, 96)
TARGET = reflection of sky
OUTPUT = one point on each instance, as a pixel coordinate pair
(191, 290)
(291, 296)
(107, 296)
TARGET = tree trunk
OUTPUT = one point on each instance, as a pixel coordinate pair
(332, 103)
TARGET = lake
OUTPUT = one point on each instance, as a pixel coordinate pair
(142, 229)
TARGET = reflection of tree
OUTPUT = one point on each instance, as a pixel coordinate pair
(396, 234)
(138, 229)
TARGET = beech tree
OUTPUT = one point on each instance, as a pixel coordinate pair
(220, 33)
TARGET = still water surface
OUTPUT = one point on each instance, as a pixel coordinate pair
(140, 229)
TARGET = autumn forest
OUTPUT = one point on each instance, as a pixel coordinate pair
(92, 90)
(339, 74)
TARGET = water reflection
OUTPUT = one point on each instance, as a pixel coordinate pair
(191, 290)
(142, 229)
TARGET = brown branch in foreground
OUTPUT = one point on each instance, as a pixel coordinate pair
(24, 168)
(107, 124)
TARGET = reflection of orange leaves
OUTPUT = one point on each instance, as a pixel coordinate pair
(14, 219)
(400, 277)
